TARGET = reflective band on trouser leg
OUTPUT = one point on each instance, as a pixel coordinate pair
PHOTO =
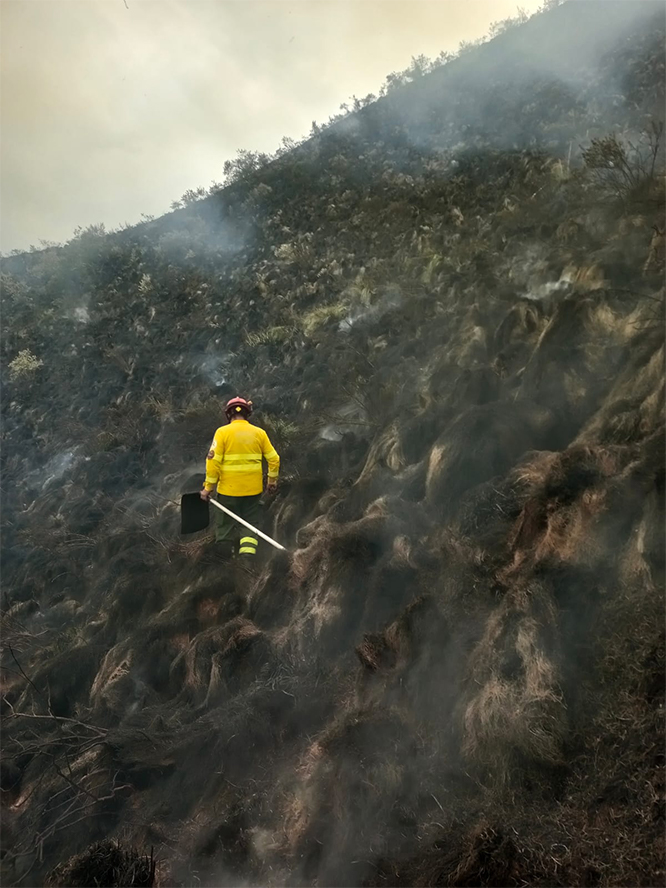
(248, 546)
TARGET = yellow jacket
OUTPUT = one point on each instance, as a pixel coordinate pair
(234, 459)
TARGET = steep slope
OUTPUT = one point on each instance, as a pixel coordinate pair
(448, 308)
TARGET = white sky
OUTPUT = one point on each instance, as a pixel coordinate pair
(108, 112)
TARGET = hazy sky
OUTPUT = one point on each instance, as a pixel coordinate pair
(108, 112)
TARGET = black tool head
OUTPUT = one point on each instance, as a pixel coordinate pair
(194, 513)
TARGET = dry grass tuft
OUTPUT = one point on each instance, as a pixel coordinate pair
(105, 864)
(517, 717)
(221, 659)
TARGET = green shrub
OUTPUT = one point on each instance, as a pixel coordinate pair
(281, 431)
(24, 365)
(321, 315)
(626, 170)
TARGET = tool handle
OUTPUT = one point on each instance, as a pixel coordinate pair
(246, 524)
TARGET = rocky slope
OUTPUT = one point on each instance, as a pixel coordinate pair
(448, 308)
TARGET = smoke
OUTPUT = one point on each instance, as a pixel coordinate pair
(183, 99)
(213, 368)
(348, 420)
(550, 288)
(389, 298)
(509, 92)
(204, 229)
(55, 469)
(331, 433)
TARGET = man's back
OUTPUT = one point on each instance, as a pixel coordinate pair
(234, 459)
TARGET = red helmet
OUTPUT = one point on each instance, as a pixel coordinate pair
(238, 407)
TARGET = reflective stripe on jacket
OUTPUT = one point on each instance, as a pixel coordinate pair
(234, 459)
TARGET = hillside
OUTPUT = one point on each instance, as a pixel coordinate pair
(448, 309)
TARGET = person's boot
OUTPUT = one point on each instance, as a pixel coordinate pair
(225, 550)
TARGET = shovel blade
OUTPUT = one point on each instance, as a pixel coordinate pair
(194, 513)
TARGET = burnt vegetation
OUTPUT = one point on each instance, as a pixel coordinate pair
(447, 305)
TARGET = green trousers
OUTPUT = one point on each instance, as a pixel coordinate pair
(227, 530)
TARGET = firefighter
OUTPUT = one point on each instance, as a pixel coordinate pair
(234, 464)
